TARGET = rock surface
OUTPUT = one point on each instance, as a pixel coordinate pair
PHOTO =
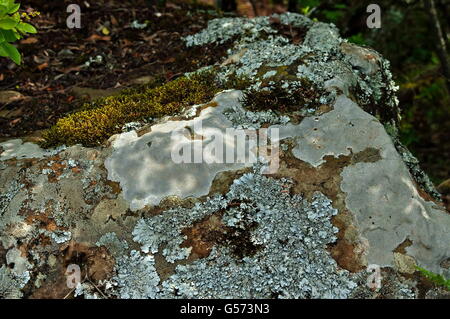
(344, 197)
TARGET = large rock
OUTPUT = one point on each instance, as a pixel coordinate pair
(334, 198)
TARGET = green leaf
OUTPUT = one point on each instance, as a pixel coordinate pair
(26, 28)
(3, 52)
(10, 35)
(7, 23)
(16, 17)
(11, 51)
(14, 7)
(340, 6)
(3, 10)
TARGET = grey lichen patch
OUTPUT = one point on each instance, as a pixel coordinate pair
(136, 276)
(273, 51)
(115, 246)
(392, 286)
(12, 283)
(224, 29)
(14, 277)
(324, 58)
(151, 233)
(45, 202)
(60, 236)
(289, 233)
(19, 263)
(261, 49)
(293, 19)
(245, 119)
(323, 38)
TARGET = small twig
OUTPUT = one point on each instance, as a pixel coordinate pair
(65, 297)
(104, 296)
(87, 278)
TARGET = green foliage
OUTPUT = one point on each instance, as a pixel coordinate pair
(100, 119)
(307, 7)
(336, 13)
(428, 106)
(308, 3)
(12, 28)
(436, 278)
(357, 39)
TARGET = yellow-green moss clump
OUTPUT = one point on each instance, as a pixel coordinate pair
(101, 119)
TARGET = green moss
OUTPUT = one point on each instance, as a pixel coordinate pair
(435, 278)
(236, 82)
(98, 120)
(282, 73)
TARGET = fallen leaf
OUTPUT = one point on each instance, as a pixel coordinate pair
(169, 60)
(96, 37)
(14, 122)
(30, 40)
(42, 66)
(70, 69)
(10, 96)
(114, 21)
(126, 43)
(105, 31)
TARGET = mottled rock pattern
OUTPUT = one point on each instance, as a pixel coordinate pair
(347, 196)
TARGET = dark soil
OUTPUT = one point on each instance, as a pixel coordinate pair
(54, 60)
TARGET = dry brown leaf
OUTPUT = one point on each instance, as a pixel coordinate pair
(114, 21)
(29, 40)
(96, 37)
(42, 66)
(169, 60)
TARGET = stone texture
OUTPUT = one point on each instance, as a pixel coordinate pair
(344, 197)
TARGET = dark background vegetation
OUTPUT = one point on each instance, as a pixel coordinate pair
(53, 57)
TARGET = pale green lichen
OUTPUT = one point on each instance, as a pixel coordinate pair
(283, 254)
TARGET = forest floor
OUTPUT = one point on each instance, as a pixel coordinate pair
(119, 45)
